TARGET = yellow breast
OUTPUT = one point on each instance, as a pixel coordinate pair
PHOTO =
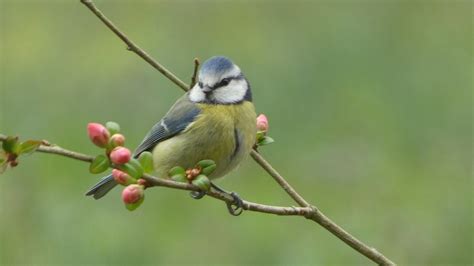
(223, 133)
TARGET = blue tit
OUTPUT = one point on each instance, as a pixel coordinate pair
(214, 120)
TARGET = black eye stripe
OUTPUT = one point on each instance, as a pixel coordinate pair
(226, 81)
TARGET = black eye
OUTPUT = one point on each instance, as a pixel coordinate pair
(225, 82)
(200, 84)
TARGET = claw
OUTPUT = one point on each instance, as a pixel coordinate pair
(235, 208)
(197, 194)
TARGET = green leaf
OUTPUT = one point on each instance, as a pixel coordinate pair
(29, 146)
(146, 160)
(265, 141)
(130, 169)
(177, 170)
(209, 169)
(99, 164)
(112, 127)
(10, 145)
(202, 182)
(205, 163)
(134, 206)
(180, 178)
(138, 167)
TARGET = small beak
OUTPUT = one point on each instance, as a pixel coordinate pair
(206, 89)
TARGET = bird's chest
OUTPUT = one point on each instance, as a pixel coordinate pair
(224, 134)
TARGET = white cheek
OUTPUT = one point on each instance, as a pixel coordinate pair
(196, 94)
(232, 93)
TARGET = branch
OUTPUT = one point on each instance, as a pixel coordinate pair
(153, 181)
(314, 214)
(133, 47)
(195, 73)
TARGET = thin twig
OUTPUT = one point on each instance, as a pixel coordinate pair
(195, 73)
(60, 151)
(314, 215)
(133, 47)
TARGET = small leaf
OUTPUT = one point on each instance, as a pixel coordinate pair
(131, 170)
(112, 127)
(209, 169)
(134, 206)
(205, 163)
(138, 167)
(265, 141)
(177, 170)
(202, 182)
(99, 164)
(260, 135)
(146, 160)
(10, 145)
(29, 146)
(179, 178)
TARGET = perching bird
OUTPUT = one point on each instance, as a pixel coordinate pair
(214, 120)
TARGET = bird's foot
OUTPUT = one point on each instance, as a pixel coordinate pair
(235, 207)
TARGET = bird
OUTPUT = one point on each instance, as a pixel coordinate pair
(214, 120)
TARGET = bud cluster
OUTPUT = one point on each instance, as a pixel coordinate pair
(127, 171)
(197, 176)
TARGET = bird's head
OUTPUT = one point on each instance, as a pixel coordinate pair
(220, 82)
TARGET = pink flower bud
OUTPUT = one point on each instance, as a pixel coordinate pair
(120, 155)
(262, 123)
(117, 140)
(98, 134)
(122, 177)
(133, 194)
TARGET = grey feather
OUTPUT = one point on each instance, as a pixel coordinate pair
(181, 114)
(99, 190)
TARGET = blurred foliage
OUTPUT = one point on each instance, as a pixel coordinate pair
(373, 98)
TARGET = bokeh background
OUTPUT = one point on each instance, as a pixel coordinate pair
(370, 103)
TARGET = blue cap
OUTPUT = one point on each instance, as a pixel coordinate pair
(216, 65)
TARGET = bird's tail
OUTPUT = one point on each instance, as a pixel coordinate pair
(99, 190)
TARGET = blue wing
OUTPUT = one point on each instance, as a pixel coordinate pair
(181, 114)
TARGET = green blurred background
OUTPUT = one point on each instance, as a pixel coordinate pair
(370, 103)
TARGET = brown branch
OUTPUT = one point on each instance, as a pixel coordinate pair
(154, 181)
(314, 215)
(195, 73)
(133, 47)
